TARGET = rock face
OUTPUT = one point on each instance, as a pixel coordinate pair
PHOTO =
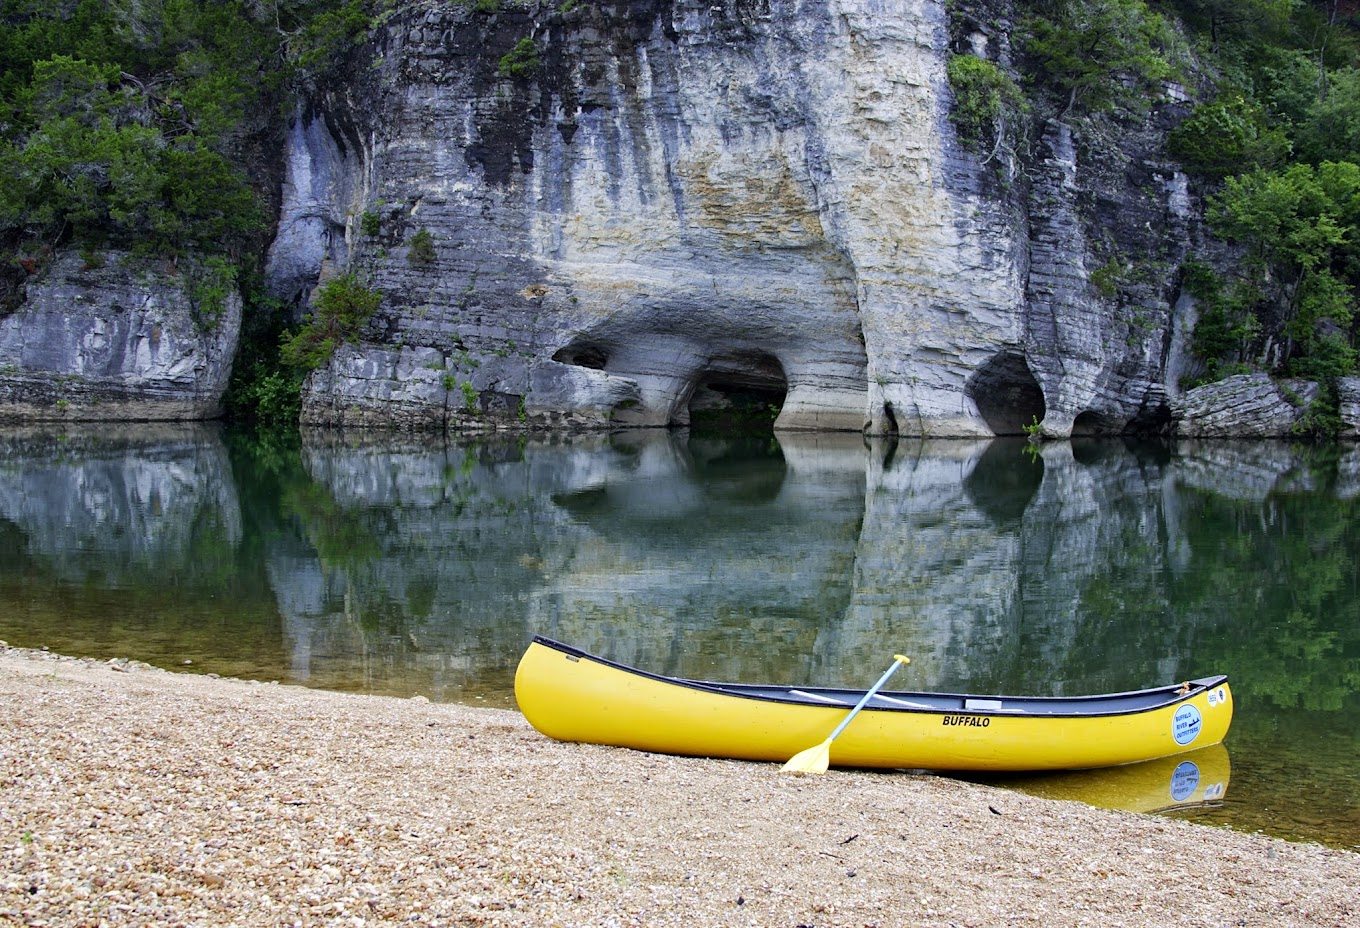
(1245, 406)
(122, 341)
(636, 207)
(1348, 396)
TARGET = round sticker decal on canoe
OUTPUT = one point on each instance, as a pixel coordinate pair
(1185, 724)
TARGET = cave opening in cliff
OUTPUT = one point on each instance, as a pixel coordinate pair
(1091, 422)
(1006, 394)
(740, 395)
(583, 354)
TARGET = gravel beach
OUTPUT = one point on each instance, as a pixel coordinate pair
(136, 796)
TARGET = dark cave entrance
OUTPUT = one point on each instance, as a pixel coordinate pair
(583, 354)
(1006, 394)
(738, 396)
(1091, 423)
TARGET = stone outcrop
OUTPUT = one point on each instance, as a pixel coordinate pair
(670, 201)
(123, 340)
(1348, 400)
(1245, 406)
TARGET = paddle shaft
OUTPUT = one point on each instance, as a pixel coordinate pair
(898, 661)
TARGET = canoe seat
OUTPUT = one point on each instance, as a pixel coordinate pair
(982, 705)
(894, 701)
(820, 698)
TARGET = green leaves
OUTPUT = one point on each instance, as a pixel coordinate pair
(421, 252)
(340, 309)
(1283, 216)
(1101, 52)
(986, 101)
(128, 121)
(1226, 136)
(1303, 223)
(1332, 130)
(521, 62)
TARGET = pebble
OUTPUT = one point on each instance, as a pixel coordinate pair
(168, 799)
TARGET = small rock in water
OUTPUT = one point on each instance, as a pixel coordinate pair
(419, 698)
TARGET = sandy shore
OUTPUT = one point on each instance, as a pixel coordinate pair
(133, 796)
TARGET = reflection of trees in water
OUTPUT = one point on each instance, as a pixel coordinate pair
(130, 541)
(801, 558)
(1283, 576)
(1109, 572)
(137, 504)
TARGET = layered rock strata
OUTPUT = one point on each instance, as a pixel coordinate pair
(617, 214)
(634, 207)
(123, 339)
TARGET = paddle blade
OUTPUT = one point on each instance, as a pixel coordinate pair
(814, 760)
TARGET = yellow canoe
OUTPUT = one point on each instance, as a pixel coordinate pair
(570, 695)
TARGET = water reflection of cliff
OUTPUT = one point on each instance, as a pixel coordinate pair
(807, 558)
(426, 567)
(647, 547)
(126, 541)
(125, 502)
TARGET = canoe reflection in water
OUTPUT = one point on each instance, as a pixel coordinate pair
(1181, 782)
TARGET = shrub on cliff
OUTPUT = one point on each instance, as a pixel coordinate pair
(988, 106)
(521, 62)
(420, 251)
(1227, 136)
(340, 309)
(1098, 53)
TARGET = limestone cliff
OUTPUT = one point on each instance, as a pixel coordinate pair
(119, 340)
(617, 213)
(636, 207)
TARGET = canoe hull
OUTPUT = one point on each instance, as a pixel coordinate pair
(572, 696)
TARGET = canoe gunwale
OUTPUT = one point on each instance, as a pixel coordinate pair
(1086, 706)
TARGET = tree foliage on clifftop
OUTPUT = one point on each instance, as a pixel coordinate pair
(1101, 52)
(138, 122)
(151, 126)
(1277, 142)
(1274, 143)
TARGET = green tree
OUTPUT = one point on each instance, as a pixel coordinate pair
(1098, 52)
(1301, 225)
(988, 106)
(1331, 130)
(340, 308)
(1228, 136)
(1234, 20)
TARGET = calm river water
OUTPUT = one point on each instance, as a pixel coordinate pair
(423, 567)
